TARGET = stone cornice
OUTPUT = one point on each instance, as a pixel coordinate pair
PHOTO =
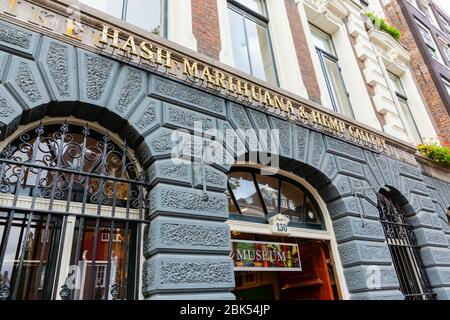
(392, 50)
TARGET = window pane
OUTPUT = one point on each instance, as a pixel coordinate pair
(246, 195)
(259, 48)
(447, 86)
(337, 87)
(322, 40)
(269, 191)
(409, 118)
(292, 199)
(239, 44)
(231, 207)
(395, 80)
(312, 212)
(255, 5)
(145, 14)
(111, 7)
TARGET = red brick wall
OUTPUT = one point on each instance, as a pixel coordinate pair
(301, 48)
(421, 72)
(205, 26)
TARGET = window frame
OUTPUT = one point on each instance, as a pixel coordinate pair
(261, 20)
(306, 194)
(333, 57)
(401, 97)
(163, 23)
(429, 41)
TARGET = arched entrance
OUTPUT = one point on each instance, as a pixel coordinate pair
(402, 244)
(71, 207)
(283, 242)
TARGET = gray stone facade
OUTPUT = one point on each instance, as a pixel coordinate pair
(187, 243)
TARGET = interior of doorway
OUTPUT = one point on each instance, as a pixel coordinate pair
(316, 281)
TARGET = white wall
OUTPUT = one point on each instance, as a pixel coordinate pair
(179, 20)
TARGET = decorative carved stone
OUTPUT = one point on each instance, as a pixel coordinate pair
(98, 72)
(57, 62)
(133, 85)
(344, 149)
(26, 82)
(179, 117)
(186, 95)
(5, 109)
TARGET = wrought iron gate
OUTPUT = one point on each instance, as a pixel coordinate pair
(72, 204)
(404, 251)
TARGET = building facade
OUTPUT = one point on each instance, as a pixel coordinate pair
(425, 29)
(192, 149)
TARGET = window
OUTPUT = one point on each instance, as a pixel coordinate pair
(447, 86)
(255, 197)
(403, 101)
(426, 35)
(250, 40)
(146, 14)
(402, 245)
(445, 24)
(446, 50)
(332, 72)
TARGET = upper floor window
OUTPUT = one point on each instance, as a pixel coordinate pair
(332, 72)
(445, 24)
(447, 85)
(429, 41)
(446, 50)
(405, 108)
(250, 39)
(145, 14)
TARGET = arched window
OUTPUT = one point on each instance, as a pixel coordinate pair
(71, 207)
(256, 197)
(403, 247)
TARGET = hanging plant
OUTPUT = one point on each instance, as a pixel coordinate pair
(436, 152)
(382, 25)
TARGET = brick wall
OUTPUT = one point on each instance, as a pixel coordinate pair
(205, 26)
(301, 48)
(421, 72)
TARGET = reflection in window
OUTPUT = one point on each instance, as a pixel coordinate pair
(250, 40)
(145, 14)
(278, 194)
(429, 41)
(247, 198)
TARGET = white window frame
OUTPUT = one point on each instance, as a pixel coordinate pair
(428, 38)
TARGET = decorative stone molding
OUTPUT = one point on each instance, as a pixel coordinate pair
(181, 273)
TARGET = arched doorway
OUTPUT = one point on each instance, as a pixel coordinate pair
(403, 247)
(283, 244)
(71, 207)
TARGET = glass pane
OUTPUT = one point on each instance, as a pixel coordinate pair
(269, 191)
(337, 87)
(231, 207)
(255, 5)
(409, 118)
(145, 14)
(292, 199)
(111, 7)
(312, 212)
(33, 283)
(322, 40)
(239, 43)
(395, 80)
(246, 195)
(119, 267)
(259, 48)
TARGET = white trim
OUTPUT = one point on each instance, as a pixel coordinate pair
(179, 23)
(256, 228)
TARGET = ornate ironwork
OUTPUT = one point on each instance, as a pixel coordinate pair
(69, 171)
(402, 245)
(4, 287)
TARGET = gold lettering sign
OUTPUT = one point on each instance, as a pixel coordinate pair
(149, 54)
